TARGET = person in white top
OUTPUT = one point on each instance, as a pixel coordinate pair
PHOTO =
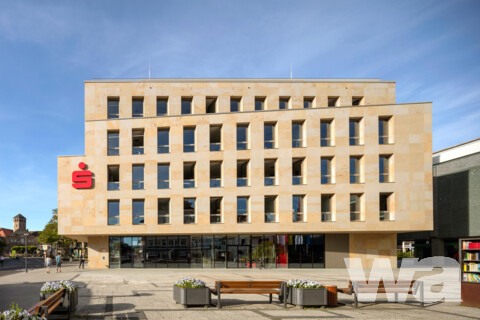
(49, 263)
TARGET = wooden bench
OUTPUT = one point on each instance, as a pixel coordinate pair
(45, 308)
(396, 287)
(246, 287)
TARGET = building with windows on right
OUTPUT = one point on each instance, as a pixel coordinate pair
(234, 173)
(456, 204)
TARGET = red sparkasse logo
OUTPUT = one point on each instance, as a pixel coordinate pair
(82, 179)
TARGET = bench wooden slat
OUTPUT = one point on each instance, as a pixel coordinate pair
(51, 303)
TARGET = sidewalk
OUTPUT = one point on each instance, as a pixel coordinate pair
(147, 294)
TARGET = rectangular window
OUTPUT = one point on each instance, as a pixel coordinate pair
(138, 211)
(215, 210)
(327, 207)
(235, 104)
(385, 210)
(383, 130)
(297, 134)
(211, 104)
(269, 135)
(298, 208)
(113, 143)
(162, 106)
(270, 169)
(242, 136)
(113, 107)
(326, 170)
(188, 210)
(242, 209)
(188, 139)
(215, 174)
(355, 207)
(384, 168)
(357, 101)
(326, 136)
(270, 209)
(333, 101)
(354, 132)
(297, 171)
(284, 103)
(186, 105)
(138, 176)
(113, 212)
(355, 170)
(242, 173)
(189, 174)
(215, 137)
(137, 141)
(137, 107)
(163, 140)
(163, 211)
(259, 103)
(163, 176)
(308, 102)
(113, 177)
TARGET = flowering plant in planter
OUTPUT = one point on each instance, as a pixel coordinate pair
(51, 287)
(16, 313)
(190, 283)
(55, 286)
(303, 284)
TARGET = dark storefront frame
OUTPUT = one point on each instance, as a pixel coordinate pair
(218, 251)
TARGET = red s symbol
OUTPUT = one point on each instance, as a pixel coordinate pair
(82, 179)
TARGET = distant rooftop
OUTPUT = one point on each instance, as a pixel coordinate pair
(281, 80)
(457, 151)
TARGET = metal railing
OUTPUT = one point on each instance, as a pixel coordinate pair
(355, 178)
(114, 185)
(242, 217)
(326, 179)
(386, 216)
(163, 219)
(215, 218)
(242, 182)
(270, 217)
(326, 142)
(163, 149)
(113, 151)
(189, 183)
(113, 220)
(137, 150)
(269, 144)
(297, 216)
(383, 139)
(215, 183)
(217, 146)
(189, 148)
(354, 141)
(384, 177)
(297, 143)
(269, 181)
(242, 145)
(327, 216)
(297, 180)
(355, 216)
(188, 217)
(113, 116)
(138, 185)
(163, 184)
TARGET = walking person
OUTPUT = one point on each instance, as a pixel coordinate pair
(49, 263)
(58, 261)
(82, 262)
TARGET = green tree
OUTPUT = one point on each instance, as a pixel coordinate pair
(50, 236)
(3, 245)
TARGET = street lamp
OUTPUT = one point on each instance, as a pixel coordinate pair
(26, 252)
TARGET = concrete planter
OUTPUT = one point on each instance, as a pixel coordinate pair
(192, 296)
(309, 297)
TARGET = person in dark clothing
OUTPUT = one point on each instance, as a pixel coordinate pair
(82, 262)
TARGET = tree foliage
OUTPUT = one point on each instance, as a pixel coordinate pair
(3, 245)
(50, 236)
(21, 249)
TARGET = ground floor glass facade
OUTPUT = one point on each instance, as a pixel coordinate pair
(218, 251)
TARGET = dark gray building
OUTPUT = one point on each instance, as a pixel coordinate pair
(456, 202)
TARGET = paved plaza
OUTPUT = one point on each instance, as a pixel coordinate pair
(147, 294)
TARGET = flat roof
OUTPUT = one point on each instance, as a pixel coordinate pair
(457, 151)
(272, 80)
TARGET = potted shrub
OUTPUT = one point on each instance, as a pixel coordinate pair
(51, 287)
(304, 292)
(16, 313)
(191, 292)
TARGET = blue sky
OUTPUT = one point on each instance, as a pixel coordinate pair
(47, 50)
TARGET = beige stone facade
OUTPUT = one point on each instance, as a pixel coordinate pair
(83, 213)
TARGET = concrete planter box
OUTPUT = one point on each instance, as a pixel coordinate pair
(192, 296)
(309, 297)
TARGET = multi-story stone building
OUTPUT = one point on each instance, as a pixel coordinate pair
(217, 173)
(19, 234)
